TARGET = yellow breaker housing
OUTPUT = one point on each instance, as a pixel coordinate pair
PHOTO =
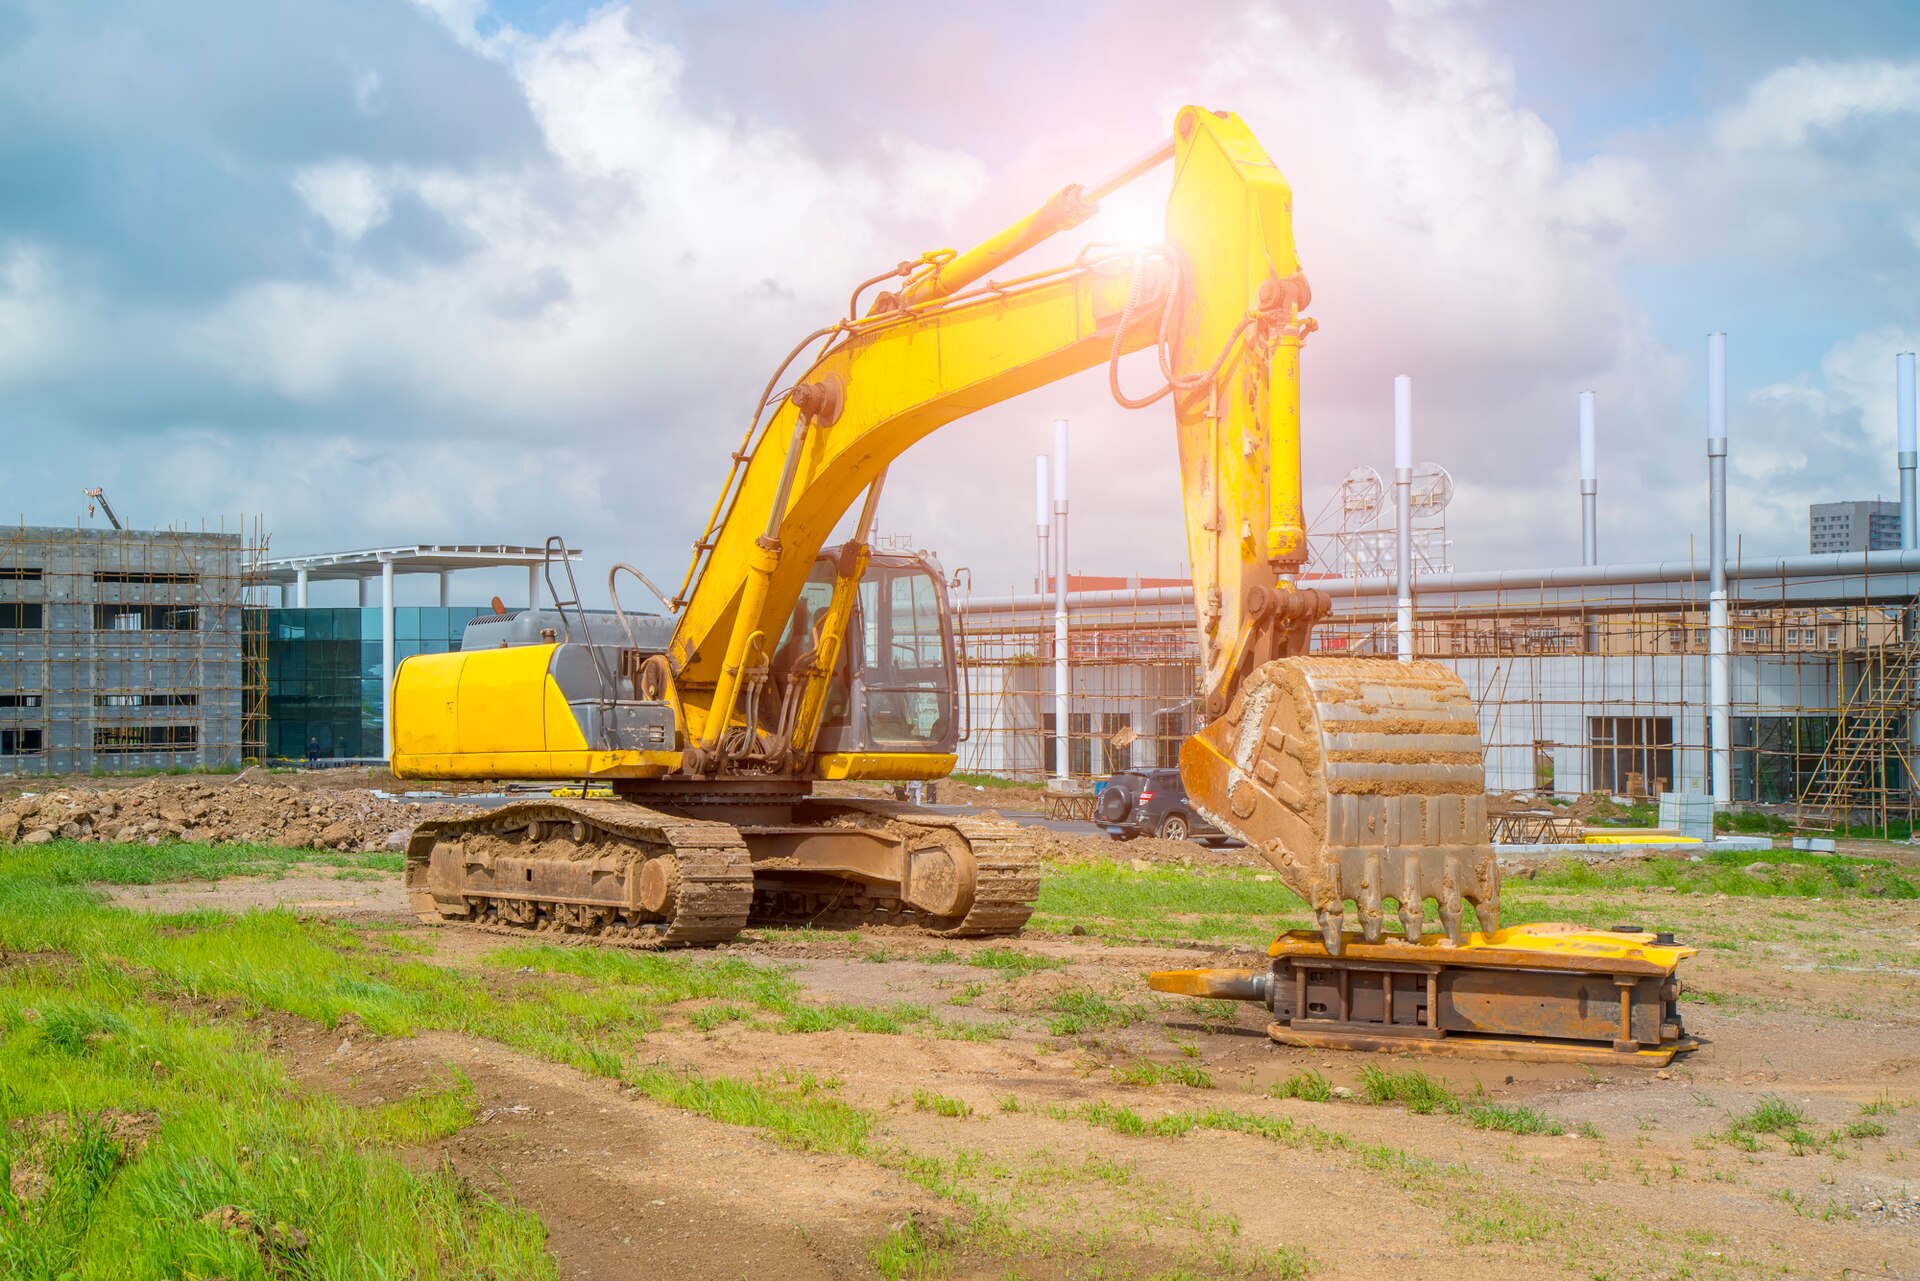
(782, 662)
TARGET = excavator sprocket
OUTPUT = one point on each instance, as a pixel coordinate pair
(995, 856)
(1358, 779)
(600, 871)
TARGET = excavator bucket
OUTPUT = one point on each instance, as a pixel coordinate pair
(1361, 780)
(1358, 779)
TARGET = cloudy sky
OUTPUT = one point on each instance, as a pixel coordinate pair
(386, 271)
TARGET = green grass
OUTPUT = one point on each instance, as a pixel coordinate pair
(1308, 1085)
(142, 1137)
(1795, 874)
(1413, 1088)
(1511, 1120)
(1215, 905)
(1145, 1072)
(1012, 964)
(1774, 1116)
(940, 1104)
(1079, 1013)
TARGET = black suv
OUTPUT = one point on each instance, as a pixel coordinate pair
(1150, 802)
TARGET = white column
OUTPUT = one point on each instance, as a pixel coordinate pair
(386, 659)
(1062, 675)
(300, 587)
(1909, 453)
(286, 594)
(533, 587)
(1589, 486)
(1042, 518)
(444, 576)
(1403, 507)
(1719, 675)
(366, 591)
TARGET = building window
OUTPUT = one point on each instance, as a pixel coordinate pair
(146, 700)
(1764, 635)
(145, 738)
(1699, 635)
(19, 700)
(19, 742)
(1746, 635)
(135, 576)
(145, 618)
(19, 574)
(17, 617)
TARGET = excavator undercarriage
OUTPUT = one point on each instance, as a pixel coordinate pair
(623, 873)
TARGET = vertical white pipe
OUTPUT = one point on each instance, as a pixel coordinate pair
(1909, 454)
(386, 659)
(1403, 507)
(444, 576)
(366, 591)
(1042, 517)
(533, 587)
(300, 587)
(1589, 486)
(1062, 703)
(1719, 692)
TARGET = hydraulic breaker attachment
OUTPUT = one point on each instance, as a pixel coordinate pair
(1534, 992)
(1357, 779)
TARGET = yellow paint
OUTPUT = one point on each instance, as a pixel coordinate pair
(1637, 836)
(1596, 946)
(885, 765)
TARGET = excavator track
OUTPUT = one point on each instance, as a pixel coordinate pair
(591, 871)
(1005, 869)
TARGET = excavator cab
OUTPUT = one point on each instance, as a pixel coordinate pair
(896, 688)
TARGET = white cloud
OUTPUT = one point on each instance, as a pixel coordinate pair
(348, 195)
(1785, 107)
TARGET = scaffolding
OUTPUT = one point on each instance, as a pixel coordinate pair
(1603, 690)
(125, 650)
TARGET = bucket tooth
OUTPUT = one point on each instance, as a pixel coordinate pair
(1369, 900)
(1413, 902)
(1331, 920)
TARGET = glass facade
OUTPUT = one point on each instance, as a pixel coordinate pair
(323, 674)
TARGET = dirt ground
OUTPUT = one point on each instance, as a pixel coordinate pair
(1814, 1003)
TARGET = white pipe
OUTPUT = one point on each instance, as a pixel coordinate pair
(1909, 454)
(533, 587)
(444, 576)
(386, 659)
(1589, 486)
(1062, 676)
(1403, 507)
(1829, 565)
(1720, 692)
(1042, 516)
(300, 588)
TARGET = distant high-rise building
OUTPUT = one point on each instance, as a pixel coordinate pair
(1853, 527)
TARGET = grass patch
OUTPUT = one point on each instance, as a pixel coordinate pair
(940, 1104)
(1512, 1120)
(1415, 1089)
(1078, 1013)
(1308, 1085)
(1012, 964)
(1145, 1072)
(1773, 1115)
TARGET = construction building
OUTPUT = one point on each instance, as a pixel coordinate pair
(1853, 527)
(126, 650)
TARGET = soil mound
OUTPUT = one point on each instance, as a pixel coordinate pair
(243, 809)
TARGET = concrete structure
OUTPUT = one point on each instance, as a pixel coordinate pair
(123, 650)
(293, 575)
(1853, 527)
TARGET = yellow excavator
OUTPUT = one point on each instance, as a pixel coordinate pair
(781, 663)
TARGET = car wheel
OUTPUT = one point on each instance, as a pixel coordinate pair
(1173, 827)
